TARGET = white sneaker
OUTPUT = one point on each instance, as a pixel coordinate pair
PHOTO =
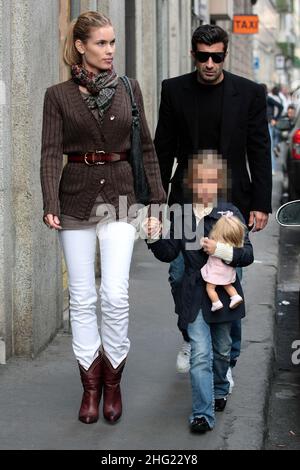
(183, 358)
(230, 379)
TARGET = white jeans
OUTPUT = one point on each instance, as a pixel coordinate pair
(116, 245)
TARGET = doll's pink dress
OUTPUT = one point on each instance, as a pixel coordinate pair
(215, 271)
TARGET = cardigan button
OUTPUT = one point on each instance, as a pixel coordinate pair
(102, 181)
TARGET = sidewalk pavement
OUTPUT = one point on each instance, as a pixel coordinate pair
(39, 398)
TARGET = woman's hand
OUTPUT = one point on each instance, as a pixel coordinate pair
(152, 227)
(52, 221)
(208, 245)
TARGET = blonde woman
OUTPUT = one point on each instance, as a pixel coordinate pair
(89, 119)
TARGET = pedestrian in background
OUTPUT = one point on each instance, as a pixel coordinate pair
(274, 110)
(89, 118)
(278, 109)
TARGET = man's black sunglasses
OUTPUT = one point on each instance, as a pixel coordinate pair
(217, 57)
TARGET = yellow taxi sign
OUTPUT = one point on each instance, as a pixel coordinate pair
(245, 24)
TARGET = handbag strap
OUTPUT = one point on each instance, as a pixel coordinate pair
(134, 108)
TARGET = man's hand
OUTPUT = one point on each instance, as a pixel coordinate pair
(208, 245)
(258, 219)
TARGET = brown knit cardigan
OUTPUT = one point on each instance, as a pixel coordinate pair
(70, 127)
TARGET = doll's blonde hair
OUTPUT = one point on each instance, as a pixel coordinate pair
(230, 230)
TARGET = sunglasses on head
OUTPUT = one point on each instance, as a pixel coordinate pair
(217, 57)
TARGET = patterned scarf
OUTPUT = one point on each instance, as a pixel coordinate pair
(102, 87)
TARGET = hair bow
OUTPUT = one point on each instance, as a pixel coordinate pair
(226, 213)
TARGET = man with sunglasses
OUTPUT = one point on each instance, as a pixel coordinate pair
(214, 109)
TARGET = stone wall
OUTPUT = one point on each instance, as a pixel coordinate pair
(31, 309)
(6, 222)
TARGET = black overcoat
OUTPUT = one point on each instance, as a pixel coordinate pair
(244, 139)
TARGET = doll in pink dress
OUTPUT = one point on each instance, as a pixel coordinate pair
(228, 232)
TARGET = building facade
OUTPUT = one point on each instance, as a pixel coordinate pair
(276, 52)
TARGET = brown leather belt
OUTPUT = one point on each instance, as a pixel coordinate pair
(99, 157)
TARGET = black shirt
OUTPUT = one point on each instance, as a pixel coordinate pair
(210, 103)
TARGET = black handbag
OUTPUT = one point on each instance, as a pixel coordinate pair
(141, 187)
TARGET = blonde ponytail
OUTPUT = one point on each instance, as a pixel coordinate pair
(71, 54)
(80, 29)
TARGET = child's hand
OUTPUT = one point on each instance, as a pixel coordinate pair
(209, 246)
(153, 228)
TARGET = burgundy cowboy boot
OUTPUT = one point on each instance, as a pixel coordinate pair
(92, 382)
(112, 400)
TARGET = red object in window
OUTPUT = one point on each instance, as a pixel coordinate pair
(296, 145)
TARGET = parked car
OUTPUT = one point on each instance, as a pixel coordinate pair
(291, 160)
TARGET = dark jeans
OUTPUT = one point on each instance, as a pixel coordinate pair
(176, 271)
(210, 356)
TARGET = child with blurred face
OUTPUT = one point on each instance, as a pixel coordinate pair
(208, 332)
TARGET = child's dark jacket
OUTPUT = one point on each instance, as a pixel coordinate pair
(192, 295)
